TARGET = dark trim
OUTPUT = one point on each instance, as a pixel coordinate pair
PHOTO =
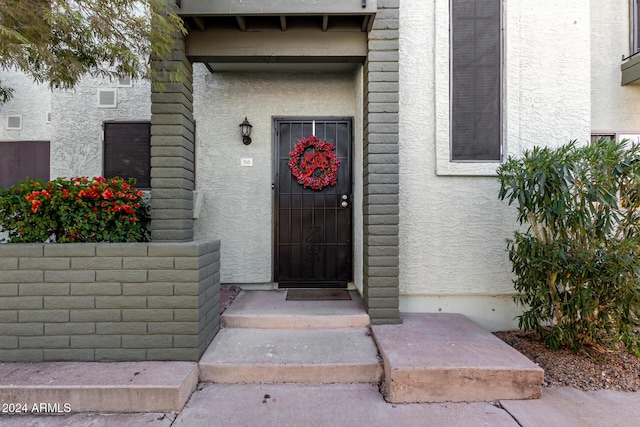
(275, 191)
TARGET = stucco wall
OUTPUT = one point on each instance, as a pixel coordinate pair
(238, 201)
(77, 135)
(357, 180)
(452, 226)
(32, 101)
(614, 107)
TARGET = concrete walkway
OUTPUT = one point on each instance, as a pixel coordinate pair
(355, 405)
(430, 358)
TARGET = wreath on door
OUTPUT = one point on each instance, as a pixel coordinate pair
(314, 164)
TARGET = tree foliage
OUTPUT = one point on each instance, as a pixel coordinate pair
(59, 41)
(577, 261)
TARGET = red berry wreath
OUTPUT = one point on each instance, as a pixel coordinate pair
(314, 164)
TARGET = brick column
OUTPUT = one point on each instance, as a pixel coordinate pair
(381, 167)
(172, 147)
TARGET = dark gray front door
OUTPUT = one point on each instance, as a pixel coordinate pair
(313, 227)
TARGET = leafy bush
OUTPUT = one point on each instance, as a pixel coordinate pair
(577, 262)
(74, 210)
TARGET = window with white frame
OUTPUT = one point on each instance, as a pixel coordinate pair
(14, 122)
(476, 80)
(125, 82)
(107, 98)
(633, 137)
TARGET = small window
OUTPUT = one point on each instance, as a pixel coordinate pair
(597, 136)
(107, 98)
(633, 137)
(125, 82)
(127, 151)
(14, 122)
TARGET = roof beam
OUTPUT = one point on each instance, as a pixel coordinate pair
(367, 23)
(223, 46)
(199, 23)
(242, 23)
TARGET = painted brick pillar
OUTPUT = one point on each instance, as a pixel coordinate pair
(381, 167)
(172, 147)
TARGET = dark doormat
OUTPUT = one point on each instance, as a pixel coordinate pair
(317, 294)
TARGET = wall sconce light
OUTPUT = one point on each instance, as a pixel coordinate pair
(245, 131)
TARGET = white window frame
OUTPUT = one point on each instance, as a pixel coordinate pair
(121, 84)
(618, 136)
(13, 116)
(444, 165)
(115, 98)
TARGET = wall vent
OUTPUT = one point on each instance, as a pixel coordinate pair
(48, 117)
(125, 82)
(14, 122)
(107, 98)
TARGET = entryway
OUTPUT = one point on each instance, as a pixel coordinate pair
(428, 358)
(313, 231)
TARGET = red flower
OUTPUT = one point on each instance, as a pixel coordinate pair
(318, 157)
(35, 204)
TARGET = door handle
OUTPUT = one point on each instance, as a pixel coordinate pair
(344, 201)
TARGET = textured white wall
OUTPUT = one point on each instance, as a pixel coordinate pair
(32, 101)
(77, 135)
(452, 225)
(613, 107)
(238, 201)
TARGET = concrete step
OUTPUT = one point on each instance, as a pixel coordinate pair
(270, 310)
(242, 355)
(98, 387)
(446, 357)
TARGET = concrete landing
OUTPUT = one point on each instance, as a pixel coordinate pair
(447, 357)
(328, 405)
(241, 355)
(95, 386)
(270, 310)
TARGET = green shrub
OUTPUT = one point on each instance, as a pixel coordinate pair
(577, 258)
(74, 210)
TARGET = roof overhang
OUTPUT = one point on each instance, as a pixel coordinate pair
(204, 8)
(229, 34)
